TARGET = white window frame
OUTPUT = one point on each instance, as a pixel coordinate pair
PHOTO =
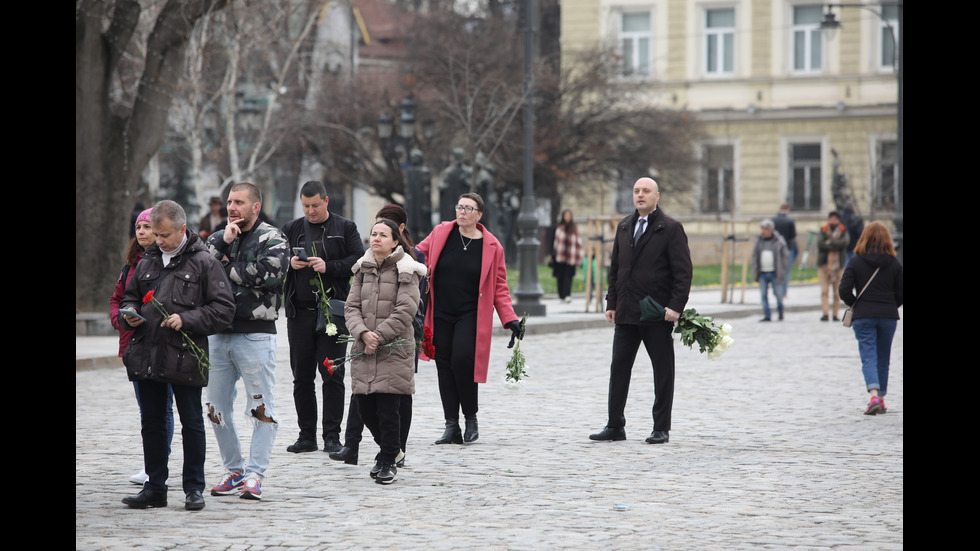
(636, 71)
(718, 34)
(877, 140)
(809, 30)
(886, 27)
(702, 152)
(787, 166)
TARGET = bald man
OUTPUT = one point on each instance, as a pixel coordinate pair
(650, 257)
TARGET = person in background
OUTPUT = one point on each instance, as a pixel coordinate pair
(855, 227)
(770, 266)
(212, 219)
(831, 245)
(134, 253)
(383, 300)
(468, 282)
(567, 254)
(786, 227)
(875, 314)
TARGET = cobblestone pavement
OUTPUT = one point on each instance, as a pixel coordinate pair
(769, 450)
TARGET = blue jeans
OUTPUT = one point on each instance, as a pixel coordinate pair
(766, 279)
(874, 336)
(250, 357)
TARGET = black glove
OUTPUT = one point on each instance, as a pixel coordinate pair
(517, 332)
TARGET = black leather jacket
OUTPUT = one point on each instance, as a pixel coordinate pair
(194, 286)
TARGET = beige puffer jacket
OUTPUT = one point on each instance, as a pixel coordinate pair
(384, 301)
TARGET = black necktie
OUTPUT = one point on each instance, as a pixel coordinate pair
(639, 230)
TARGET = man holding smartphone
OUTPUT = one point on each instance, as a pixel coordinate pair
(324, 247)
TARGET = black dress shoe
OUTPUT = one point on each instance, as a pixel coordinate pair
(302, 446)
(146, 499)
(452, 435)
(331, 445)
(345, 454)
(194, 501)
(609, 433)
(658, 437)
(472, 431)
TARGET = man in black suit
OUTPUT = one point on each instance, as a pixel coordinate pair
(650, 257)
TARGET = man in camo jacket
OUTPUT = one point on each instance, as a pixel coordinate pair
(254, 255)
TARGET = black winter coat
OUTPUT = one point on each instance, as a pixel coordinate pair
(659, 265)
(194, 286)
(883, 296)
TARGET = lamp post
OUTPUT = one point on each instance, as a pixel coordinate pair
(404, 149)
(529, 290)
(830, 23)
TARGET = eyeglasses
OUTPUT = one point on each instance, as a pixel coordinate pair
(465, 208)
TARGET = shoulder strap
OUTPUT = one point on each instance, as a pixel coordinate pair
(866, 284)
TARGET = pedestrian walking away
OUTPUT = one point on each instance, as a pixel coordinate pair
(872, 286)
(254, 255)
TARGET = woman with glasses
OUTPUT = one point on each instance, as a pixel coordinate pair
(468, 282)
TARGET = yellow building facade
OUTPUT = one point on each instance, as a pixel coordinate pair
(782, 105)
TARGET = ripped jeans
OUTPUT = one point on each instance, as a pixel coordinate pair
(250, 357)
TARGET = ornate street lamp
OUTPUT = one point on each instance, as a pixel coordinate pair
(409, 158)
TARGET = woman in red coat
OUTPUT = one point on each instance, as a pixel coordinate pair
(468, 282)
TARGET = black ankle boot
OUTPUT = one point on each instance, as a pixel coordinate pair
(345, 454)
(472, 431)
(452, 435)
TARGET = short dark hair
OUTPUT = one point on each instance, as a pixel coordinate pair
(833, 213)
(313, 188)
(480, 206)
(254, 195)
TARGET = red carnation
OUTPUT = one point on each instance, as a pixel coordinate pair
(329, 365)
(148, 297)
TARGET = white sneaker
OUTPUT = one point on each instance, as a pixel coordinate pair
(139, 478)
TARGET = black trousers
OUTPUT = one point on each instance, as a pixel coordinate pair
(455, 342)
(355, 425)
(380, 415)
(659, 345)
(564, 274)
(307, 350)
(154, 398)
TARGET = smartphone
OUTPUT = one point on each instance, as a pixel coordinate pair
(300, 252)
(131, 312)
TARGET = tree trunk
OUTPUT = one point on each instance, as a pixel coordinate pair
(111, 150)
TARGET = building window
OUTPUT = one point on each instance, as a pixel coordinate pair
(719, 178)
(635, 39)
(804, 177)
(719, 45)
(807, 39)
(888, 31)
(885, 187)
